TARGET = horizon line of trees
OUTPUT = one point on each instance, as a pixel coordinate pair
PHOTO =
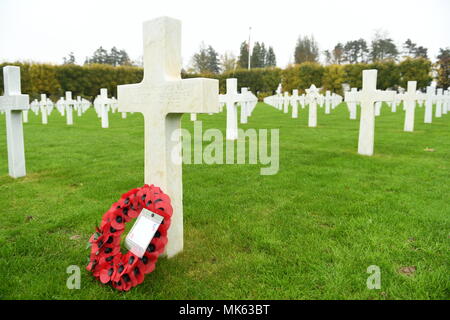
(114, 57)
(208, 61)
(381, 48)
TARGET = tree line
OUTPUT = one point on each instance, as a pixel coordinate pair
(113, 57)
(358, 51)
(87, 80)
(208, 61)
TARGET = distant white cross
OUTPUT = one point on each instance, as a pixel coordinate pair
(162, 97)
(429, 104)
(352, 101)
(438, 100)
(104, 103)
(286, 102)
(294, 103)
(13, 102)
(69, 103)
(410, 98)
(231, 98)
(327, 102)
(244, 105)
(313, 96)
(43, 106)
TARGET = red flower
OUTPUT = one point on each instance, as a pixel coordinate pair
(106, 261)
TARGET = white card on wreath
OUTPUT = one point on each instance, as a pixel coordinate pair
(143, 232)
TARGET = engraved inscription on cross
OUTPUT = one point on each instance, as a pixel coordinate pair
(13, 102)
(162, 97)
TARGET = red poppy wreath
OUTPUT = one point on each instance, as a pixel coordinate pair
(107, 263)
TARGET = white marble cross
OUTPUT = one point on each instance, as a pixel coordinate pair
(43, 106)
(429, 104)
(34, 106)
(104, 103)
(61, 105)
(438, 99)
(230, 99)
(351, 100)
(394, 103)
(294, 103)
(286, 102)
(69, 103)
(79, 106)
(244, 105)
(327, 102)
(410, 98)
(378, 105)
(368, 96)
(313, 96)
(445, 101)
(162, 97)
(13, 102)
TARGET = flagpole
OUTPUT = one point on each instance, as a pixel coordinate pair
(249, 33)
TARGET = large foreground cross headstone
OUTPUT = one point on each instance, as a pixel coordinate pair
(368, 96)
(13, 102)
(162, 97)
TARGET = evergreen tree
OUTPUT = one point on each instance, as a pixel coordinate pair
(228, 62)
(443, 68)
(271, 60)
(70, 59)
(200, 60)
(383, 48)
(115, 57)
(243, 56)
(410, 49)
(257, 59)
(123, 59)
(355, 51)
(306, 50)
(213, 60)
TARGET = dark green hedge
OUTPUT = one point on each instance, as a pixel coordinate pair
(86, 81)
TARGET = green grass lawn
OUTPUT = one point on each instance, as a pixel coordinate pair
(308, 232)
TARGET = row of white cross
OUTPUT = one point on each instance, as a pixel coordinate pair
(247, 101)
(411, 98)
(370, 100)
(66, 105)
(162, 97)
(231, 100)
(312, 98)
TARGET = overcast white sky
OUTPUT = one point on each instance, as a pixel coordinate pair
(47, 30)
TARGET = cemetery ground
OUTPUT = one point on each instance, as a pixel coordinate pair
(308, 232)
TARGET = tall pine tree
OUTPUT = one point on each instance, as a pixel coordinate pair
(243, 55)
